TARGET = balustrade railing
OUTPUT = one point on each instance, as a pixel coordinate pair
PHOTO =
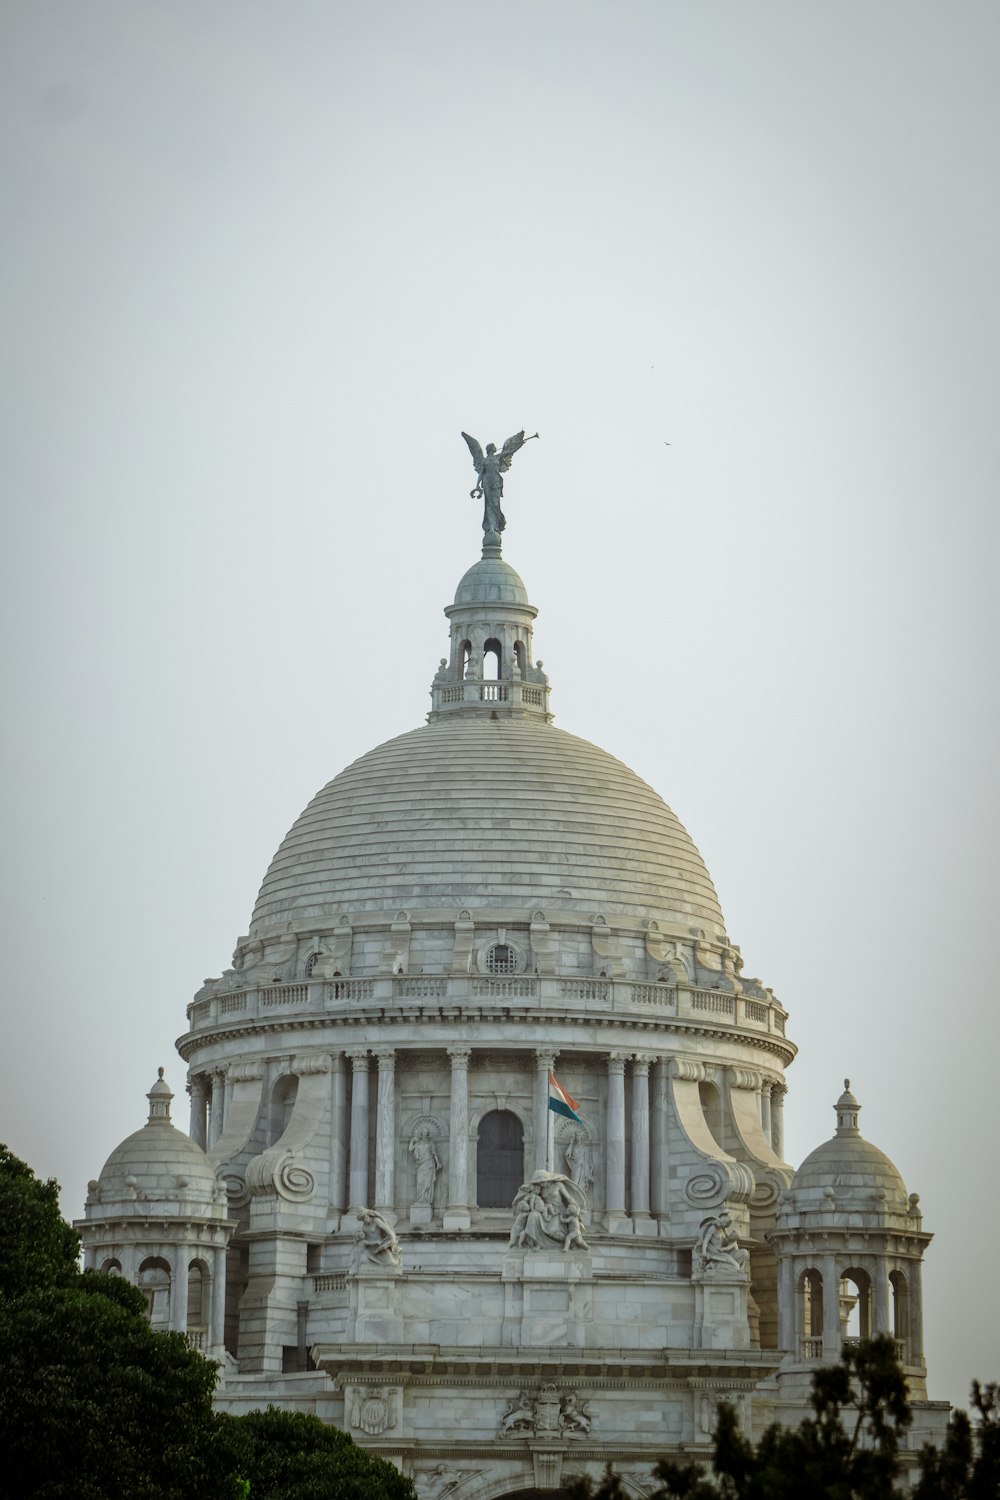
(529, 991)
(812, 1348)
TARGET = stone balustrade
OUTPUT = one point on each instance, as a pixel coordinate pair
(416, 994)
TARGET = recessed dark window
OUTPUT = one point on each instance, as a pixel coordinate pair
(499, 1159)
(501, 959)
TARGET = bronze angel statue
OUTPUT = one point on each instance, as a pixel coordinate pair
(491, 468)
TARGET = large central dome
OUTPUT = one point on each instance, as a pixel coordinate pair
(470, 812)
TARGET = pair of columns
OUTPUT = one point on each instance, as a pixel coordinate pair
(208, 1107)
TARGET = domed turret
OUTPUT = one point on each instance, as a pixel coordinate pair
(157, 1214)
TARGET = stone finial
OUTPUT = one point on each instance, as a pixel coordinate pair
(159, 1098)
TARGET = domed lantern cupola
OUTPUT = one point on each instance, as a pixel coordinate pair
(489, 672)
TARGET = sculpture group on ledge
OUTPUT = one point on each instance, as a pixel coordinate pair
(547, 1414)
(718, 1253)
(376, 1242)
(490, 469)
(548, 1212)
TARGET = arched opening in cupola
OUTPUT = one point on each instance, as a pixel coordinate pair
(900, 1294)
(520, 657)
(154, 1283)
(464, 658)
(199, 1299)
(810, 1310)
(855, 1304)
(499, 1159)
(492, 660)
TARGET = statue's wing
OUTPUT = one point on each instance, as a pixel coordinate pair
(509, 448)
(476, 451)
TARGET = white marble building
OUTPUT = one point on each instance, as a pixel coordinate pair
(462, 911)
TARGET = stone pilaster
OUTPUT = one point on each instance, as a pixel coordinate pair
(216, 1118)
(765, 1108)
(179, 1291)
(198, 1089)
(778, 1092)
(385, 1130)
(658, 1153)
(339, 1133)
(617, 1221)
(456, 1215)
(642, 1223)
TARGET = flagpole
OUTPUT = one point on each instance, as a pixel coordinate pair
(548, 1145)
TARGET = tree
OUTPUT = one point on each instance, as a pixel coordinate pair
(848, 1450)
(291, 1456)
(37, 1246)
(967, 1467)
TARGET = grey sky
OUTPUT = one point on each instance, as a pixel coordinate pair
(262, 263)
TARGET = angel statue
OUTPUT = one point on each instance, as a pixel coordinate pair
(491, 468)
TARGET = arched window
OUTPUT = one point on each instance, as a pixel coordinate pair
(282, 1103)
(711, 1104)
(492, 660)
(900, 1294)
(811, 1314)
(199, 1291)
(154, 1283)
(112, 1266)
(311, 963)
(499, 1159)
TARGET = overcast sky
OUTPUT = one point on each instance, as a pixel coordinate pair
(262, 262)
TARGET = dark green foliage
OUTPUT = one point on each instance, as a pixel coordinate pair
(37, 1246)
(848, 1450)
(967, 1467)
(292, 1456)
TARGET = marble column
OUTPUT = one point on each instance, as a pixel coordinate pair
(456, 1215)
(913, 1353)
(778, 1119)
(789, 1331)
(832, 1337)
(618, 1223)
(339, 1131)
(217, 1325)
(217, 1107)
(658, 1116)
(642, 1223)
(880, 1298)
(544, 1063)
(179, 1292)
(385, 1130)
(198, 1089)
(358, 1191)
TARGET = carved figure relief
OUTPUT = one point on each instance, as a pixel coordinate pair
(442, 1480)
(547, 1413)
(376, 1242)
(717, 1254)
(579, 1160)
(548, 1213)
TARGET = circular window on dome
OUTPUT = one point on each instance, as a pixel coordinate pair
(501, 959)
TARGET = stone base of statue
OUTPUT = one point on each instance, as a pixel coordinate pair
(548, 1298)
(720, 1311)
(375, 1316)
(421, 1213)
(457, 1218)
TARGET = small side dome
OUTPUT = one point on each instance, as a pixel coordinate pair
(858, 1174)
(158, 1163)
(489, 581)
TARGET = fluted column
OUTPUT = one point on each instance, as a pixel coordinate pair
(658, 1201)
(179, 1292)
(217, 1107)
(641, 1221)
(778, 1119)
(358, 1190)
(615, 1147)
(385, 1129)
(198, 1089)
(456, 1215)
(339, 1130)
(544, 1063)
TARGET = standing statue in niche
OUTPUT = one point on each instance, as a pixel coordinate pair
(490, 469)
(421, 1148)
(718, 1251)
(376, 1241)
(579, 1163)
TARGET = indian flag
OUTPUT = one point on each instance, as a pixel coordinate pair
(560, 1102)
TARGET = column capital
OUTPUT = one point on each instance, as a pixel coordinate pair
(617, 1061)
(459, 1056)
(766, 1085)
(386, 1059)
(640, 1064)
(359, 1058)
(545, 1058)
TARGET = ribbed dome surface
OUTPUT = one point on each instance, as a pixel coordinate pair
(476, 813)
(156, 1159)
(491, 581)
(852, 1165)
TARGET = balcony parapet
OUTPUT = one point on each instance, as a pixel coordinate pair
(611, 998)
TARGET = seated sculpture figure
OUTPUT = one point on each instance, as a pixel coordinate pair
(548, 1213)
(718, 1251)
